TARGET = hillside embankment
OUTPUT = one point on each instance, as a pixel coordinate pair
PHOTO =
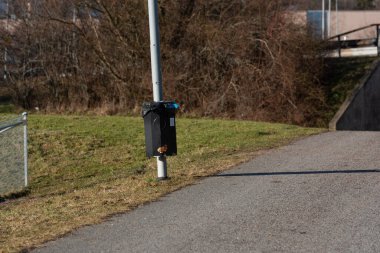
(221, 58)
(341, 79)
(361, 110)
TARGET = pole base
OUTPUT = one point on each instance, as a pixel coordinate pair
(162, 167)
(163, 179)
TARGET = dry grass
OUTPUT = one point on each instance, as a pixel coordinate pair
(84, 169)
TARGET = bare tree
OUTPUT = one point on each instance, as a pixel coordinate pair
(220, 57)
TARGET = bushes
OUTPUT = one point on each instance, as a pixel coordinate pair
(228, 58)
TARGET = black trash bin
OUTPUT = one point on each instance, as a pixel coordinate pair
(160, 128)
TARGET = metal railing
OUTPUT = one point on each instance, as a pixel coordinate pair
(13, 155)
(343, 44)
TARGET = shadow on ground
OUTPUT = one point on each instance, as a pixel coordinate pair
(298, 173)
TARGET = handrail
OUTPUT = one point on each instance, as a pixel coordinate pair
(340, 42)
(352, 31)
(9, 124)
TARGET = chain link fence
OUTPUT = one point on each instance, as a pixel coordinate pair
(13, 155)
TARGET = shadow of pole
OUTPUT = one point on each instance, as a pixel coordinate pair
(258, 174)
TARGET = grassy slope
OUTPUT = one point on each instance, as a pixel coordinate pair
(340, 78)
(83, 169)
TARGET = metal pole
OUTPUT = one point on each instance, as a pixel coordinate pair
(156, 72)
(6, 49)
(378, 39)
(25, 119)
(323, 19)
(336, 18)
(339, 47)
(329, 21)
(155, 50)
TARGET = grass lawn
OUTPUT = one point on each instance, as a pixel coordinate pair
(83, 169)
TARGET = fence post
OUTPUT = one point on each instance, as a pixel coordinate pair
(25, 121)
(378, 39)
(339, 47)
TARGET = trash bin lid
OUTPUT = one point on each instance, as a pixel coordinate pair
(148, 107)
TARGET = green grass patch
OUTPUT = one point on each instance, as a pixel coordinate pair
(83, 169)
(8, 108)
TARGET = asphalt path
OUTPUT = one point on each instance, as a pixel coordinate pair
(320, 194)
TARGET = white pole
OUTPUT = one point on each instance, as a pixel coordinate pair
(323, 19)
(156, 71)
(336, 18)
(155, 50)
(329, 21)
(25, 119)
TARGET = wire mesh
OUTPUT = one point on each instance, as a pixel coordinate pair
(12, 170)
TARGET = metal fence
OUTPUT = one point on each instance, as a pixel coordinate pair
(13, 155)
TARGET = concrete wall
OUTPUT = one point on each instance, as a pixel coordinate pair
(341, 22)
(362, 110)
(350, 20)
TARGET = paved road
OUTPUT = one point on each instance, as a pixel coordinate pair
(321, 194)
